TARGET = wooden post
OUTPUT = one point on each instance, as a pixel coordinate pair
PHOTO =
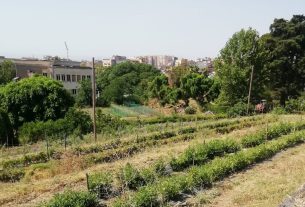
(87, 180)
(65, 140)
(250, 87)
(93, 100)
(47, 142)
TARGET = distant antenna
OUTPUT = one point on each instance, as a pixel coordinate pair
(67, 50)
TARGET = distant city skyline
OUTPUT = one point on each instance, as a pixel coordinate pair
(183, 28)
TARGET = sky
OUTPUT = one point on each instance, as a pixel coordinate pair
(102, 28)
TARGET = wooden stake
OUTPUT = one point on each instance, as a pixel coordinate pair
(94, 100)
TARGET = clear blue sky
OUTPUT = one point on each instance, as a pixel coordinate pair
(100, 28)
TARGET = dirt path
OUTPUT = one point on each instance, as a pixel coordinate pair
(264, 185)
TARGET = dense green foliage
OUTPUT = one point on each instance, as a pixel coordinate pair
(6, 130)
(106, 123)
(75, 122)
(233, 67)
(126, 82)
(84, 95)
(7, 72)
(189, 85)
(34, 99)
(285, 57)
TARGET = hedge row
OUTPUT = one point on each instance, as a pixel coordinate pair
(157, 194)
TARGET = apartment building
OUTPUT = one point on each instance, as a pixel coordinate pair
(70, 73)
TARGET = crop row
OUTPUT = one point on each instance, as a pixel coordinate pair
(168, 188)
(164, 138)
(220, 127)
(184, 118)
(195, 155)
(118, 149)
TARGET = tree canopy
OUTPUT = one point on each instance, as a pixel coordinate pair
(7, 72)
(233, 67)
(34, 99)
(285, 51)
(126, 82)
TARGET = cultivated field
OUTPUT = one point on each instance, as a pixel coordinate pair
(191, 160)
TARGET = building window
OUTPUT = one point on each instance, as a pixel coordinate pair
(73, 91)
(83, 77)
(78, 78)
(58, 77)
(73, 78)
(45, 74)
(88, 77)
(68, 78)
(63, 77)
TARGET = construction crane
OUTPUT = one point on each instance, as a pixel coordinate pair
(67, 49)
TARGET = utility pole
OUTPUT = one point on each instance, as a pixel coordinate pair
(93, 99)
(250, 87)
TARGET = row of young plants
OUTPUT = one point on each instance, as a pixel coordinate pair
(135, 147)
(118, 150)
(132, 178)
(184, 118)
(155, 186)
(167, 134)
(169, 188)
(29, 159)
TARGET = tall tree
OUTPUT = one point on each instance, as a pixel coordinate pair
(84, 95)
(199, 87)
(7, 72)
(233, 67)
(285, 47)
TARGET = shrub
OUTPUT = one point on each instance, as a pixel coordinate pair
(278, 110)
(74, 120)
(105, 123)
(130, 177)
(100, 184)
(73, 199)
(295, 105)
(11, 175)
(239, 109)
(190, 110)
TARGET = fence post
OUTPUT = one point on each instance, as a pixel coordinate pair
(87, 180)
(47, 143)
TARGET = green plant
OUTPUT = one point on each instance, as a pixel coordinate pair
(239, 109)
(278, 110)
(202, 153)
(130, 177)
(11, 174)
(190, 110)
(100, 183)
(73, 199)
